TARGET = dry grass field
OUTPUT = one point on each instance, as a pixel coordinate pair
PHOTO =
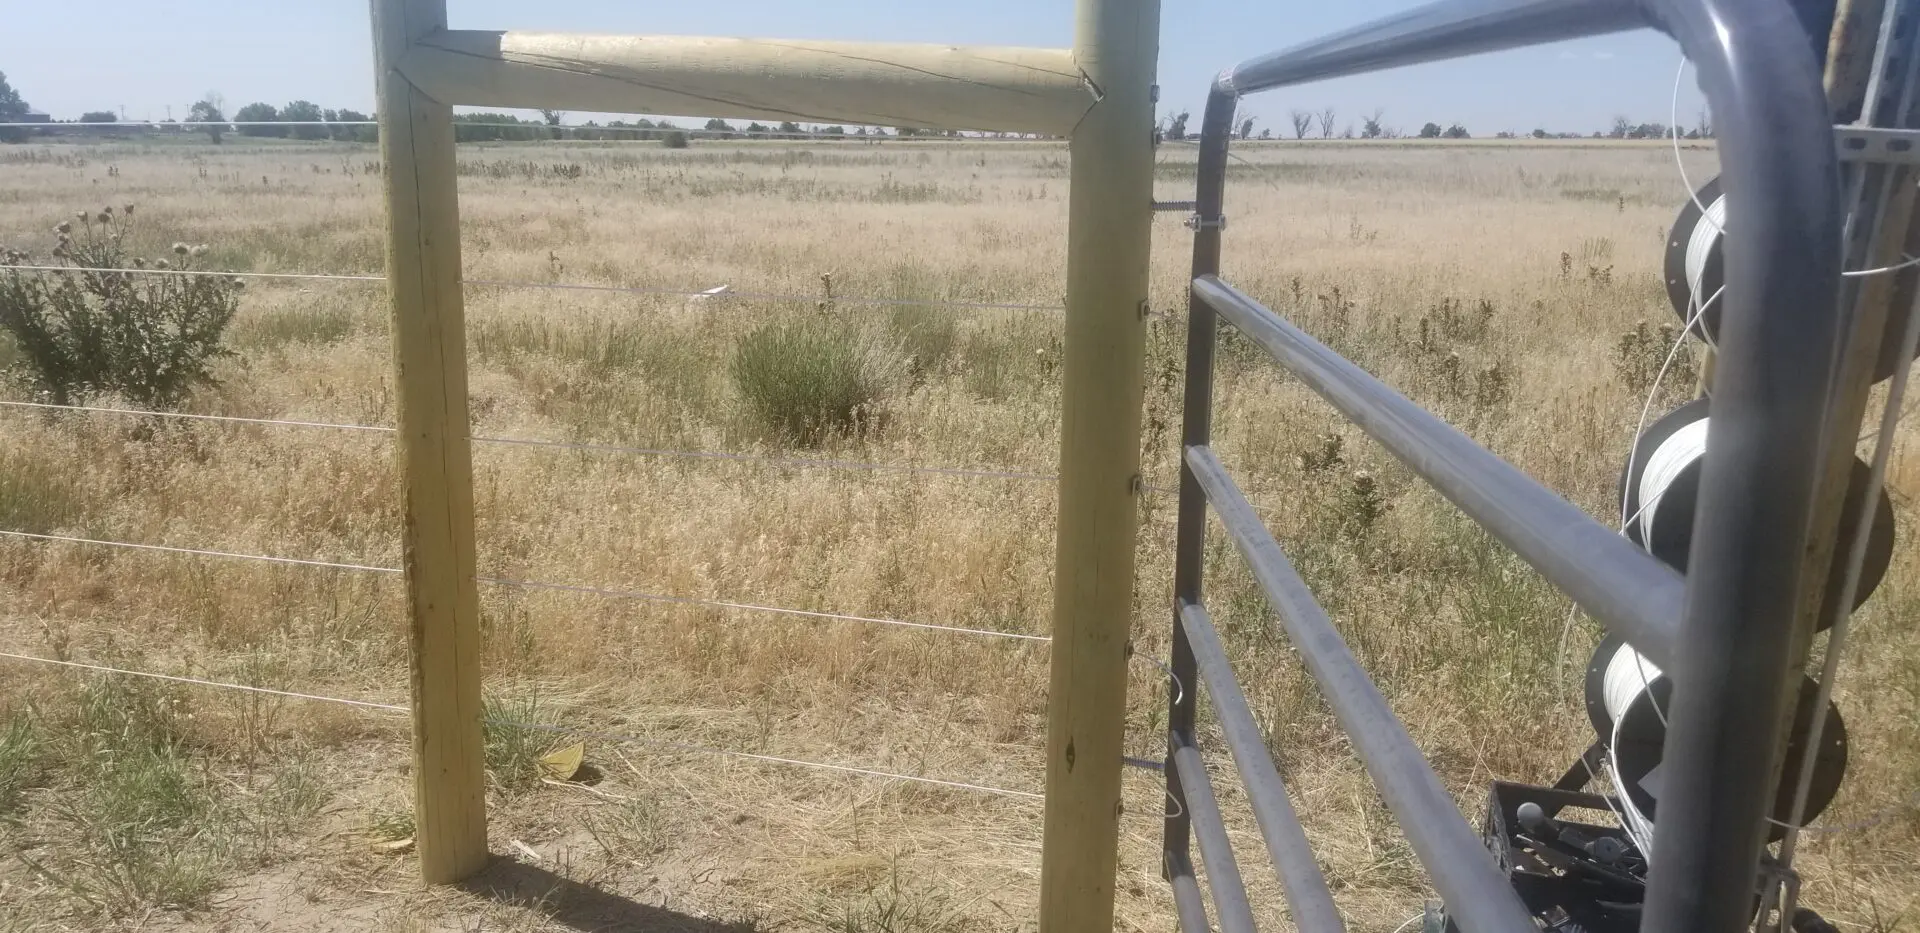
(1513, 287)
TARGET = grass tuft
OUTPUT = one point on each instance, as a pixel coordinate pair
(517, 739)
(20, 768)
(815, 378)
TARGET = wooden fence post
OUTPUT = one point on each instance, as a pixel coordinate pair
(434, 452)
(1110, 218)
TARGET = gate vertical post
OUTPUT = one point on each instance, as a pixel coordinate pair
(434, 451)
(1116, 46)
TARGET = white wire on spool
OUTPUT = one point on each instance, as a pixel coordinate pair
(1701, 241)
(1629, 680)
(1681, 449)
(1629, 676)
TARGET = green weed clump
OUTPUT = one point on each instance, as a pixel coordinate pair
(86, 332)
(19, 760)
(812, 379)
(518, 734)
(142, 820)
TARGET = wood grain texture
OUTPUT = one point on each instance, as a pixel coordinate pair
(888, 84)
(430, 367)
(1108, 247)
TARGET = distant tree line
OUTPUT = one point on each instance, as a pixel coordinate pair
(1324, 124)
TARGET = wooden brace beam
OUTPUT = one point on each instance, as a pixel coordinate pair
(886, 84)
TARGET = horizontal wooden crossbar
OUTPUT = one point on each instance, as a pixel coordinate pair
(1015, 90)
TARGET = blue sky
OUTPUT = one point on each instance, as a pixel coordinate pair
(66, 58)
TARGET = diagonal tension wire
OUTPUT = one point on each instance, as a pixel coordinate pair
(681, 747)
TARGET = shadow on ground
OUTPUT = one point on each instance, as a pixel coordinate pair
(584, 907)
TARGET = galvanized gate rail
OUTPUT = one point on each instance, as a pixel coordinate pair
(1726, 633)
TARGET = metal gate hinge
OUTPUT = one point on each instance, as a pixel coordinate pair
(1197, 223)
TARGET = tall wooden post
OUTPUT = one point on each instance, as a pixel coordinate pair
(1110, 217)
(435, 456)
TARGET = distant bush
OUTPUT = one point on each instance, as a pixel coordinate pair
(811, 379)
(83, 333)
(674, 140)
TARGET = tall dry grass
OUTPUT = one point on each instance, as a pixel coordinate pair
(1513, 288)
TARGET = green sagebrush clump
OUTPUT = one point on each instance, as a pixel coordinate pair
(86, 332)
(813, 378)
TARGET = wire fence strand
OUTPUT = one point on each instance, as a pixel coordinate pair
(585, 446)
(198, 552)
(183, 416)
(656, 291)
(664, 744)
(198, 682)
(688, 748)
(204, 273)
(750, 607)
(801, 462)
(539, 585)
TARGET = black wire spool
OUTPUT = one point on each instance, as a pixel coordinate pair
(1666, 529)
(1643, 735)
(1697, 249)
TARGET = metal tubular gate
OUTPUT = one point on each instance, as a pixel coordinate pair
(1727, 632)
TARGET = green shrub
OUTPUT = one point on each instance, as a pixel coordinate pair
(82, 333)
(674, 140)
(813, 378)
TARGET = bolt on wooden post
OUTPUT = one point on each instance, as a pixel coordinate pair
(434, 452)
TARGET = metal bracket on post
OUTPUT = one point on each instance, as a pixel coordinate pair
(1197, 223)
(1879, 145)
